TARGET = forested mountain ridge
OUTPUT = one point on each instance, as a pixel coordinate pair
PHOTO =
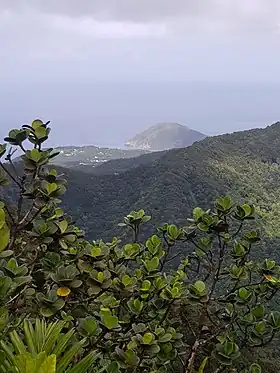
(242, 164)
(117, 166)
(169, 184)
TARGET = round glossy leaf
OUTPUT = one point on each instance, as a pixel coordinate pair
(147, 338)
(4, 237)
(36, 124)
(200, 286)
(110, 321)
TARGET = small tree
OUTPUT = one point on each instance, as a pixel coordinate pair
(122, 300)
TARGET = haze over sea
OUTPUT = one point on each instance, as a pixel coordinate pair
(109, 113)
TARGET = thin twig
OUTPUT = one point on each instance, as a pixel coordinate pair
(10, 175)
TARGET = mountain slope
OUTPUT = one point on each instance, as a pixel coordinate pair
(117, 166)
(164, 136)
(244, 164)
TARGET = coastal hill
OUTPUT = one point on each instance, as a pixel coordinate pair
(164, 136)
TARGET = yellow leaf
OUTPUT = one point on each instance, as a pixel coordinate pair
(63, 292)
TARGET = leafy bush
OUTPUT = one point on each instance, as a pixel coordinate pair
(123, 307)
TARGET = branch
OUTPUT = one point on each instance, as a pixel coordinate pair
(221, 258)
(10, 175)
(238, 230)
(16, 296)
(190, 360)
(166, 254)
(34, 216)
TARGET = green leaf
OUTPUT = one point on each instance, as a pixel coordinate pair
(46, 312)
(274, 319)
(35, 155)
(270, 263)
(41, 363)
(4, 317)
(86, 364)
(258, 312)
(4, 237)
(2, 149)
(48, 366)
(147, 338)
(146, 218)
(255, 368)
(202, 226)
(126, 280)
(154, 349)
(100, 276)
(89, 325)
(243, 293)
(138, 305)
(36, 124)
(152, 265)
(113, 367)
(6, 254)
(146, 285)
(41, 133)
(68, 357)
(131, 357)
(172, 230)
(198, 213)
(224, 204)
(260, 327)
(200, 286)
(165, 338)
(2, 217)
(96, 251)
(110, 321)
(2, 357)
(63, 225)
(51, 187)
(248, 209)
(203, 365)
(229, 346)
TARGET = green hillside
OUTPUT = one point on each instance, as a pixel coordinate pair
(243, 164)
(169, 184)
(117, 166)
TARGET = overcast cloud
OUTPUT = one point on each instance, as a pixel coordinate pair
(228, 13)
(57, 53)
(137, 34)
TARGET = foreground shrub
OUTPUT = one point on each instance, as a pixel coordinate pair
(124, 307)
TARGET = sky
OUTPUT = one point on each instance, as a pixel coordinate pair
(102, 71)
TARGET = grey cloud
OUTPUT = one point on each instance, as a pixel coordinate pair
(122, 10)
(240, 13)
(96, 38)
